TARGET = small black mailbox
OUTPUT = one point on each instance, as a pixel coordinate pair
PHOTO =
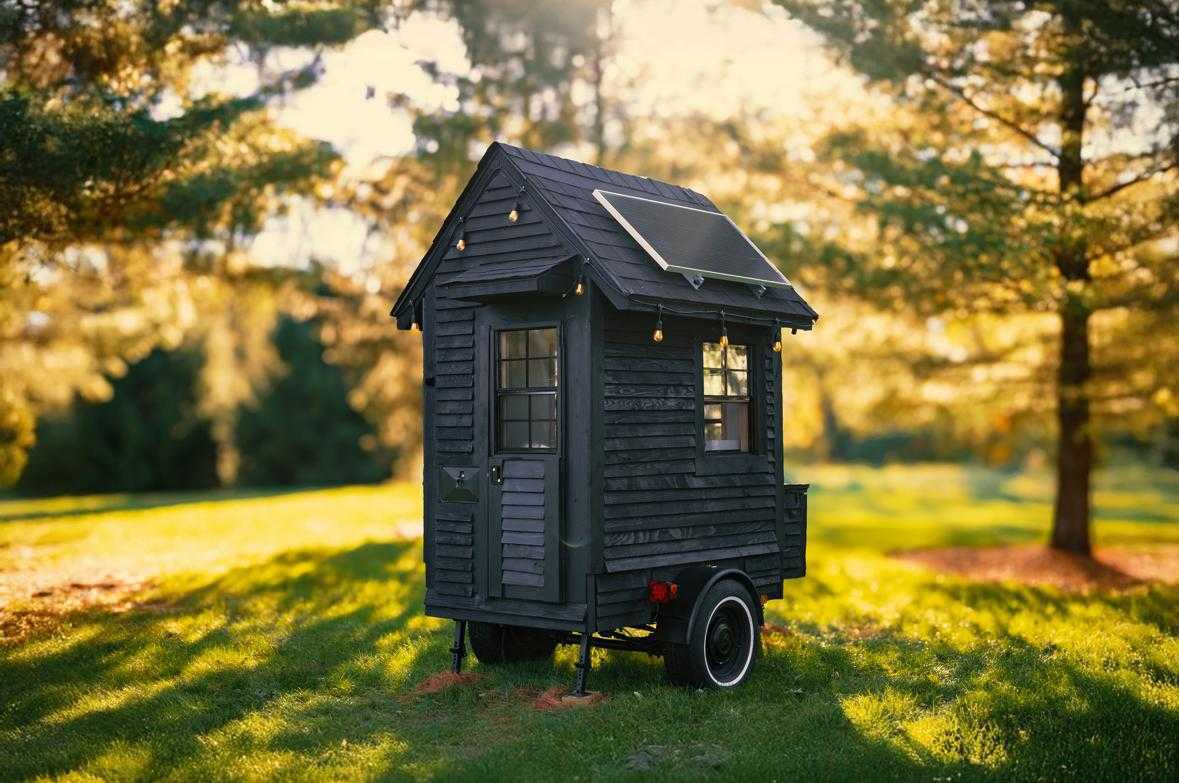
(603, 454)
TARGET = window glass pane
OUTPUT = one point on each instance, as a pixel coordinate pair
(712, 355)
(738, 357)
(543, 435)
(736, 426)
(542, 342)
(712, 411)
(514, 406)
(544, 406)
(732, 432)
(542, 373)
(512, 374)
(513, 345)
(515, 435)
(714, 383)
(738, 383)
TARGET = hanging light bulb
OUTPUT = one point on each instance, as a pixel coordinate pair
(514, 215)
(579, 289)
(777, 337)
(658, 335)
(461, 244)
(724, 338)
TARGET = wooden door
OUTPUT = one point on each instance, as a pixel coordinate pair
(525, 441)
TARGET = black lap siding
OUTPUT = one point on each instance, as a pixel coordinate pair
(665, 505)
(492, 241)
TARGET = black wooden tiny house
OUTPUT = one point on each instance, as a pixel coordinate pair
(599, 429)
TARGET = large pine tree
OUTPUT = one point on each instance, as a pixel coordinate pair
(1028, 166)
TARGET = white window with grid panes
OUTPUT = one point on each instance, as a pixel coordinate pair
(726, 397)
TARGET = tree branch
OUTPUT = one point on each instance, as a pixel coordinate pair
(1009, 124)
(1112, 189)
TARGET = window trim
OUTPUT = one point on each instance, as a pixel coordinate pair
(756, 446)
(498, 393)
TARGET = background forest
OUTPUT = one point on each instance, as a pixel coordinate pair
(207, 207)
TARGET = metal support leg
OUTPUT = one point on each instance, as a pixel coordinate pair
(459, 650)
(583, 666)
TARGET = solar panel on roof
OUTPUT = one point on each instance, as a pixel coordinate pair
(691, 241)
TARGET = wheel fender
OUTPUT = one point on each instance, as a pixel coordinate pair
(678, 618)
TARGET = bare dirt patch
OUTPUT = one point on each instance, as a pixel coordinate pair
(1110, 568)
(436, 683)
(557, 698)
(30, 602)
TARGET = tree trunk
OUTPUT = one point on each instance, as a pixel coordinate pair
(1074, 458)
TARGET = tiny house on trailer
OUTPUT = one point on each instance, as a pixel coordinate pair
(602, 401)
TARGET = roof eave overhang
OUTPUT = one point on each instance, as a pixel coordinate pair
(738, 314)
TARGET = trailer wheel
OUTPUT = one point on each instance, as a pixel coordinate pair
(724, 640)
(494, 643)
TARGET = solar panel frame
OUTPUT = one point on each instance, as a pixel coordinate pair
(601, 196)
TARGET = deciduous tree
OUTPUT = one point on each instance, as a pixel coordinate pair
(1029, 168)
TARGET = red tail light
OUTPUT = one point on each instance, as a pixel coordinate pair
(662, 592)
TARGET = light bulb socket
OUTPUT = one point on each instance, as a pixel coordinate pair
(724, 338)
(517, 205)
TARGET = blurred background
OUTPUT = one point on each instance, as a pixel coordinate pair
(207, 208)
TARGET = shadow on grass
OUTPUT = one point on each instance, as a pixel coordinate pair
(91, 505)
(302, 665)
(277, 635)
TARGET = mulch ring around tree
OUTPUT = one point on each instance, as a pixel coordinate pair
(1110, 568)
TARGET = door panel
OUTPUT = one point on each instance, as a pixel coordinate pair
(526, 527)
(517, 383)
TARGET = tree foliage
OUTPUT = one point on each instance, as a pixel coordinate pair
(302, 430)
(1028, 168)
(124, 195)
(149, 436)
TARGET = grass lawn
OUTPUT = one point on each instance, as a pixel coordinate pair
(281, 635)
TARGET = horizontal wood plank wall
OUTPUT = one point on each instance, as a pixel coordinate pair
(492, 242)
(660, 513)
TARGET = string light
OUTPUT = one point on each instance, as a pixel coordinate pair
(514, 215)
(724, 338)
(579, 289)
(461, 244)
(658, 335)
(777, 337)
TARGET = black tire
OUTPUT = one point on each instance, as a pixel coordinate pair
(724, 643)
(493, 643)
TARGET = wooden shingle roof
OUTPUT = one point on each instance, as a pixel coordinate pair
(612, 258)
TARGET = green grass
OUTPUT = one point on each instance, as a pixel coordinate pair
(283, 636)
